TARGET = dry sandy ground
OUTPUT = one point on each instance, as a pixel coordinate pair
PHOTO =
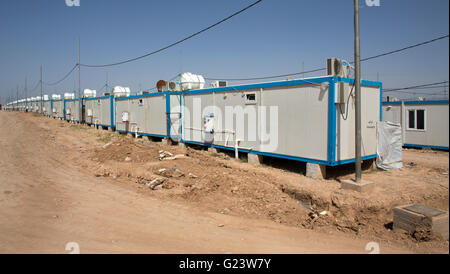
(60, 183)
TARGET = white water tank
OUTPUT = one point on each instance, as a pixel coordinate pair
(89, 93)
(119, 91)
(56, 96)
(69, 95)
(45, 97)
(191, 81)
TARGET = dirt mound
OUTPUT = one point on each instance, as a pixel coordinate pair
(367, 215)
(214, 182)
(124, 149)
(199, 177)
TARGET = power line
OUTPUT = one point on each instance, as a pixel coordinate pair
(389, 90)
(405, 48)
(36, 86)
(177, 42)
(424, 93)
(320, 69)
(266, 77)
(416, 87)
(100, 89)
(62, 79)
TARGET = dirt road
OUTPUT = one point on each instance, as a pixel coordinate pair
(47, 199)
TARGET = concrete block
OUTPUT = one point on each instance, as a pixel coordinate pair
(361, 186)
(413, 217)
(316, 171)
(254, 159)
(182, 145)
(166, 141)
(212, 150)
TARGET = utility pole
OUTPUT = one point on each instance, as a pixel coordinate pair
(41, 90)
(79, 69)
(357, 96)
(80, 105)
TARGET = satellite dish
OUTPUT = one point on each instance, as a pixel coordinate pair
(160, 85)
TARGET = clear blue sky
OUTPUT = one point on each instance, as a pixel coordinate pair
(274, 37)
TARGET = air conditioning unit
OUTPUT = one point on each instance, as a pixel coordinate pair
(172, 86)
(336, 67)
(218, 84)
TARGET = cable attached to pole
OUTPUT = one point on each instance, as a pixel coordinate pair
(320, 69)
(175, 43)
(62, 79)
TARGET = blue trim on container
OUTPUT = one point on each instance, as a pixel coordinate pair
(426, 146)
(348, 161)
(417, 102)
(181, 118)
(363, 82)
(283, 156)
(142, 134)
(168, 112)
(148, 95)
(331, 144)
(139, 96)
(263, 85)
(112, 110)
(96, 98)
(102, 125)
(381, 100)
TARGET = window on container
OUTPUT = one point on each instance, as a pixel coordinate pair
(250, 98)
(411, 119)
(416, 119)
(420, 113)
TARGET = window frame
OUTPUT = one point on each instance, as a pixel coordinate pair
(415, 119)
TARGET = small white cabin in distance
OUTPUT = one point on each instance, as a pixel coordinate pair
(425, 123)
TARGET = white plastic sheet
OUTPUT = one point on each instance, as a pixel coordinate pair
(389, 147)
